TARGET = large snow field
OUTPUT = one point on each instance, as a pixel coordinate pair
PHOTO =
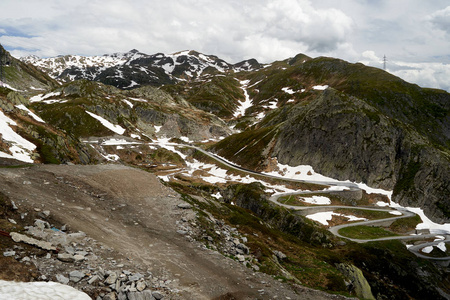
(21, 149)
(11, 290)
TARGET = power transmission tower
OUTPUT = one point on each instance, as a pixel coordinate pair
(384, 62)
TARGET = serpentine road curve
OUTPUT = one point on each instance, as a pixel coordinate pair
(334, 229)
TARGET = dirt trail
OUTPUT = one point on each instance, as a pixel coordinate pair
(130, 211)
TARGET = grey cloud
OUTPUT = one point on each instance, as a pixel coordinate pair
(441, 19)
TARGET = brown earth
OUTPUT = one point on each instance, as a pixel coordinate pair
(132, 212)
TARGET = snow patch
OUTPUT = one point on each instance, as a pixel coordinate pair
(247, 103)
(288, 90)
(217, 195)
(115, 142)
(41, 97)
(319, 200)
(32, 114)
(128, 103)
(324, 217)
(20, 148)
(115, 128)
(427, 249)
(39, 290)
(320, 87)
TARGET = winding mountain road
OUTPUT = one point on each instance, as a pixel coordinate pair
(347, 186)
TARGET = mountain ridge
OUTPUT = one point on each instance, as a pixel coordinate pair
(155, 69)
(347, 121)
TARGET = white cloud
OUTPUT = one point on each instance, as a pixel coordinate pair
(279, 27)
(441, 19)
(434, 75)
(412, 31)
(370, 55)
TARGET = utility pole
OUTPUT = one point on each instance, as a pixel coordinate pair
(384, 62)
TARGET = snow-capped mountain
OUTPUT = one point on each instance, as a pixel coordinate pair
(133, 68)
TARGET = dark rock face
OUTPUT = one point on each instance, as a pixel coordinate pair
(337, 135)
(345, 138)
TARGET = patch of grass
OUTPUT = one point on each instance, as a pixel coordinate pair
(364, 232)
(246, 148)
(405, 225)
(364, 213)
(290, 200)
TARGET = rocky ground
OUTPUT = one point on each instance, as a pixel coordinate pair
(120, 233)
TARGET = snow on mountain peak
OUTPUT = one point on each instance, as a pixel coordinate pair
(158, 68)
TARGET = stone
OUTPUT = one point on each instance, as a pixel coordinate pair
(362, 287)
(182, 232)
(93, 279)
(240, 257)
(136, 277)
(77, 235)
(41, 224)
(110, 296)
(14, 206)
(78, 257)
(184, 206)
(280, 255)
(9, 253)
(122, 296)
(157, 295)
(140, 285)
(76, 276)
(66, 257)
(62, 279)
(244, 248)
(18, 237)
(111, 278)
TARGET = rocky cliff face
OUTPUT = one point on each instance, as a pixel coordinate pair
(22, 76)
(346, 138)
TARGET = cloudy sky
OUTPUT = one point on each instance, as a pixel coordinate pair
(413, 34)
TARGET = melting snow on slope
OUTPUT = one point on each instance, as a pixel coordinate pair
(128, 103)
(320, 87)
(427, 249)
(301, 172)
(116, 128)
(21, 148)
(32, 114)
(324, 217)
(240, 111)
(272, 104)
(426, 222)
(39, 291)
(8, 86)
(42, 97)
(115, 142)
(288, 90)
(319, 200)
